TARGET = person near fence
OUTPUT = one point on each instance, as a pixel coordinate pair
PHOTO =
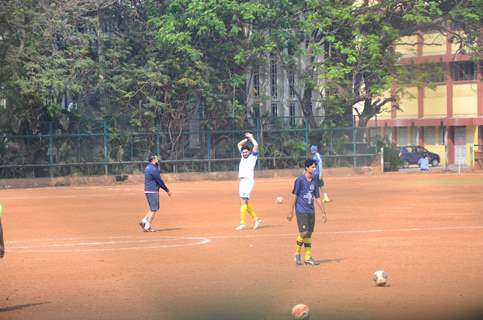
(306, 191)
(152, 183)
(317, 157)
(246, 174)
(2, 244)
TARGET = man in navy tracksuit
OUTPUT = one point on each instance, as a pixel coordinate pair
(152, 183)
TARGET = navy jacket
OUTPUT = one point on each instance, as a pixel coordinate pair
(152, 179)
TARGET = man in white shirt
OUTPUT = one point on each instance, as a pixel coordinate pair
(246, 175)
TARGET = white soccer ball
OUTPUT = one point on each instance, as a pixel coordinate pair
(380, 278)
(301, 312)
(279, 200)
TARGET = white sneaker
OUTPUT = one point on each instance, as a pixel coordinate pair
(257, 224)
(240, 227)
(142, 224)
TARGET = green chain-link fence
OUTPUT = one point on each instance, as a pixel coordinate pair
(99, 148)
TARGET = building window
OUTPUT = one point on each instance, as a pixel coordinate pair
(414, 135)
(273, 78)
(436, 73)
(68, 101)
(442, 136)
(464, 71)
(256, 83)
(429, 135)
(291, 110)
(201, 112)
(374, 133)
(402, 136)
(274, 110)
(388, 134)
(291, 84)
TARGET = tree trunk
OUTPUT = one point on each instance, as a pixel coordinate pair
(364, 118)
(306, 106)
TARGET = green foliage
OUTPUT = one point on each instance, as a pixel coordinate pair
(392, 162)
(137, 63)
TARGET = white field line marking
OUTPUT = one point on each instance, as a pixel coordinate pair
(71, 196)
(84, 239)
(137, 244)
(39, 247)
(98, 243)
(350, 232)
(107, 194)
(245, 236)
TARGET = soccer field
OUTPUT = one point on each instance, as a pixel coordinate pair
(79, 253)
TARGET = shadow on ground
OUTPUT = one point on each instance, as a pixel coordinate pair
(21, 306)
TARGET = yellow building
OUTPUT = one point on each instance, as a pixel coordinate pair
(446, 119)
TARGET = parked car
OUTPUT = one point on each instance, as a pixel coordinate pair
(411, 154)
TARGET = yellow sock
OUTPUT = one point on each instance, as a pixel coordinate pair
(300, 243)
(308, 248)
(243, 213)
(251, 211)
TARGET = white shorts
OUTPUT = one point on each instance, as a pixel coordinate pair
(246, 186)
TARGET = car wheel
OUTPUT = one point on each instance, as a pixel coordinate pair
(405, 164)
(435, 162)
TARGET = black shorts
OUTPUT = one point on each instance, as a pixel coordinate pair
(320, 182)
(153, 201)
(305, 222)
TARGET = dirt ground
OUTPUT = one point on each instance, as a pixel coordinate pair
(78, 252)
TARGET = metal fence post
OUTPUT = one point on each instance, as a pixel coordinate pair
(472, 157)
(209, 150)
(158, 148)
(382, 159)
(354, 140)
(105, 137)
(50, 149)
(259, 135)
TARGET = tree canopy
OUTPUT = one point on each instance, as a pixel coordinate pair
(144, 62)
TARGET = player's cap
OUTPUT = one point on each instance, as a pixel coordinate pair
(313, 148)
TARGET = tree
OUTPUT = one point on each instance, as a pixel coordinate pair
(216, 44)
(359, 64)
(143, 62)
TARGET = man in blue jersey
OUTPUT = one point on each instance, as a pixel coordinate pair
(317, 157)
(152, 183)
(306, 192)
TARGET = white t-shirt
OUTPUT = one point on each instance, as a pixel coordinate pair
(247, 166)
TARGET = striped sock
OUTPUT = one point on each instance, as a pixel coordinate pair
(308, 248)
(300, 243)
